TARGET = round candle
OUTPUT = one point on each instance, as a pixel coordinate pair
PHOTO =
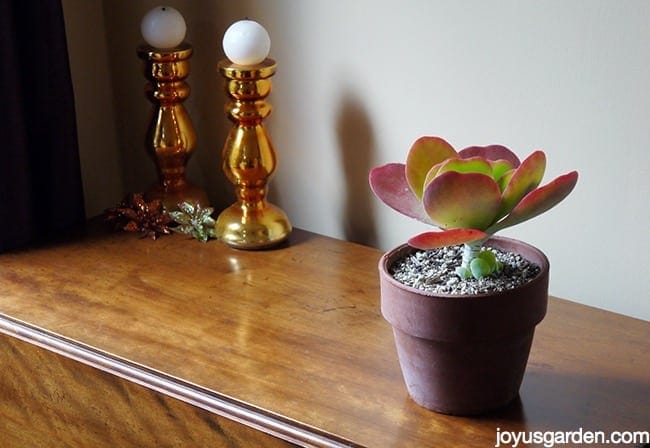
(163, 27)
(246, 43)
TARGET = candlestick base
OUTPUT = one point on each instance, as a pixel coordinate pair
(249, 161)
(258, 228)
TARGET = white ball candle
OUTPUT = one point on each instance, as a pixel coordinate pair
(246, 42)
(163, 27)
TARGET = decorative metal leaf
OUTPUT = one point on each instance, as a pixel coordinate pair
(195, 221)
(135, 214)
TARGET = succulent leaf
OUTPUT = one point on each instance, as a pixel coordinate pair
(491, 258)
(463, 272)
(500, 168)
(432, 240)
(483, 264)
(433, 172)
(388, 183)
(490, 152)
(524, 180)
(462, 200)
(425, 153)
(471, 165)
(480, 268)
(505, 179)
(538, 201)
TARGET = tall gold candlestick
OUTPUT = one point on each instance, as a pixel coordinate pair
(249, 160)
(170, 138)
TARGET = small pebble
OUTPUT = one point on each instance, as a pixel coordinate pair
(434, 271)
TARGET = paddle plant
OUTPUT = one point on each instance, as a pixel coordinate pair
(469, 195)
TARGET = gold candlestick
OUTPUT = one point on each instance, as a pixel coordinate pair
(249, 160)
(170, 138)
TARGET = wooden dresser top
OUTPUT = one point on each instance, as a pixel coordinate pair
(295, 335)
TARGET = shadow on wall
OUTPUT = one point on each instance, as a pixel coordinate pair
(206, 105)
(357, 146)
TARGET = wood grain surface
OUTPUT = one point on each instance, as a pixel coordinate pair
(49, 400)
(297, 332)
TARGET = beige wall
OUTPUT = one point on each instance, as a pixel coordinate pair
(358, 81)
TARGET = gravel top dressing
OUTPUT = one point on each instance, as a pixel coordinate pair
(434, 271)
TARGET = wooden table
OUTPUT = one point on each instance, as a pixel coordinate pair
(112, 340)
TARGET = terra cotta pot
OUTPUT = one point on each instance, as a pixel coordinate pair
(464, 354)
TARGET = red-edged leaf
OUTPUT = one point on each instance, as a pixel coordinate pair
(524, 180)
(491, 152)
(425, 153)
(432, 240)
(462, 200)
(538, 201)
(388, 183)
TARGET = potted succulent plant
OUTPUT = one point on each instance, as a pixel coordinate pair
(463, 332)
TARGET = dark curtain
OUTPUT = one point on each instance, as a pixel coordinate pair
(40, 180)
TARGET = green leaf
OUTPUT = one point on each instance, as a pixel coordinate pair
(505, 179)
(471, 165)
(500, 168)
(432, 173)
(489, 257)
(455, 200)
(480, 268)
(425, 153)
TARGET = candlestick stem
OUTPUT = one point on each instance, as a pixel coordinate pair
(170, 138)
(249, 160)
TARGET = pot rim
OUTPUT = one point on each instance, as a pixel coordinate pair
(389, 258)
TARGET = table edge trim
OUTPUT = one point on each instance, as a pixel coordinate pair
(244, 413)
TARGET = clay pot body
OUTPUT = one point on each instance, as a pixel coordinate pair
(464, 354)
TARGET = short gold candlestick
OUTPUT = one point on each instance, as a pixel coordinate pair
(249, 160)
(170, 138)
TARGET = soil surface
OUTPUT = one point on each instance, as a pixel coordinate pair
(434, 271)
